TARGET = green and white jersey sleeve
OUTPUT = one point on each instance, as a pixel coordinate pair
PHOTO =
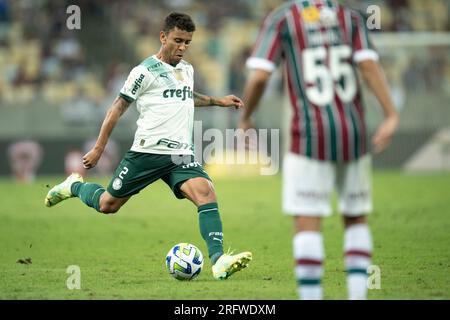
(164, 100)
(136, 83)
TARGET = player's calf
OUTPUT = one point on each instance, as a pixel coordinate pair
(109, 204)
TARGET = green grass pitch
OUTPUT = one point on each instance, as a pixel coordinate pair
(122, 256)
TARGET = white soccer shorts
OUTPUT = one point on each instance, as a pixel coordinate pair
(308, 186)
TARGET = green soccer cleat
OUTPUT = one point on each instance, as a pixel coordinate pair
(228, 264)
(62, 191)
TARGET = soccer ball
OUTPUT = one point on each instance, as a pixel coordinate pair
(184, 261)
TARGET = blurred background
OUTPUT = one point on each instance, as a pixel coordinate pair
(56, 84)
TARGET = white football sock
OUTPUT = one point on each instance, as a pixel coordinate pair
(309, 255)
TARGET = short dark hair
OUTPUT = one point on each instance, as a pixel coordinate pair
(180, 20)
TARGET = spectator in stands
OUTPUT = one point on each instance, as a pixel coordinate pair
(24, 157)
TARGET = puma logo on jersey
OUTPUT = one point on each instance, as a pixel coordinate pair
(159, 64)
(184, 93)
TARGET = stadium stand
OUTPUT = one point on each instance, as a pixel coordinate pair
(50, 74)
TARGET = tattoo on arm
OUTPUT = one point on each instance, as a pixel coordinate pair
(201, 100)
(122, 105)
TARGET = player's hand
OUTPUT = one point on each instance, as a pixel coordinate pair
(91, 158)
(230, 101)
(384, 133)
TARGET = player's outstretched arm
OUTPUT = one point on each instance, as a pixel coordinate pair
(201, 100)
(118, 107)
(374, 76)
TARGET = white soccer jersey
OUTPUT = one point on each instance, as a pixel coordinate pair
(164, 100)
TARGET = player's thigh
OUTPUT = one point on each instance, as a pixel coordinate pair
(354, 183)
(307, 186)
(199, 190)
(190, 180)
(136, 171)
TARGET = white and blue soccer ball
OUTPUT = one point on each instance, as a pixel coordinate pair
(184, 261)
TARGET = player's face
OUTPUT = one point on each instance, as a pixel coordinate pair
(174, 45)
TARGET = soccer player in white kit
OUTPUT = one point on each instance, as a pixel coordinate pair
(163, 88)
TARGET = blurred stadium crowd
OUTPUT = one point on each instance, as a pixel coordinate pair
(56, 83)
(41, 59)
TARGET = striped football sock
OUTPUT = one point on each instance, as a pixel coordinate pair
(309, 256)
(358, 253)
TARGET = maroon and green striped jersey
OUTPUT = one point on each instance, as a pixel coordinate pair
(319, 42)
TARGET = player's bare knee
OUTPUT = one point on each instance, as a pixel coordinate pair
(206, 195)
(109, 208)
(105, 209)
(350, 221)
(307, 223)
(113, 210)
